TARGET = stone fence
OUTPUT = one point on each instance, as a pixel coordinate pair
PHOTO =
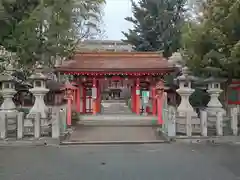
(190, 125)
(23, 129)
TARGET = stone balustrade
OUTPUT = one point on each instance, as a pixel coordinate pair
(57, 126)
(207, 124)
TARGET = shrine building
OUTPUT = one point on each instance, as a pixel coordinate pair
(101, 77)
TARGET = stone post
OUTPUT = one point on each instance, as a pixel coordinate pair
(234, 121)
(3, 125)
(172, 121)
(203, 120)
(63, 120)
(219, 123)
(185, 92)
(56, 126)
(37, 126)
(214, 89)
(20, 125)
(39, 91)
(189, 124)
(8, 91)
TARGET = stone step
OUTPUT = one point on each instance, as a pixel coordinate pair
(119, 112)
(116, 111)
(116, 123)
(116, 117)
(116, 120)
(115, 108)
(109, 103)
(114, 101)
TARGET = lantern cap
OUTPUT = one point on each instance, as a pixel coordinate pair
(214, 80)
(6, 78)
(186, 75)
(38, 75)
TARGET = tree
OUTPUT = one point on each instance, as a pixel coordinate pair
(212, 46)
(157, 25)
(38, 30)
(11, 13)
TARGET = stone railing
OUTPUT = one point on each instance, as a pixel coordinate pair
(57, 126)
(190, 125)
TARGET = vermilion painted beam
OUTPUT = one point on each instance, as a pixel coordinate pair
(94, 85)
(78, 99)
(84, 96)
(233, 102)
(98, 97)
(133, 100)
(138, 96)
(69, 110)
(235, 82)
(104, 73)
(236, 88)
(160, 109)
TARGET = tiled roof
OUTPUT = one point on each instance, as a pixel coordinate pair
(116, 61)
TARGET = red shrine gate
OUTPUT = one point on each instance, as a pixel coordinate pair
(135, 71)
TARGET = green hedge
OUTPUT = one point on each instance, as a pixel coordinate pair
(25, 110)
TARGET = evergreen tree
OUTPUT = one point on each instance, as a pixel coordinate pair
(157, 25)
(37, 30)
(212, 45)
(13, 12)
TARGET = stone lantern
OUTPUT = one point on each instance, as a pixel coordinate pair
(176, 59)
(39, 90)
(8, 91)
(185, 91)
(214, 90)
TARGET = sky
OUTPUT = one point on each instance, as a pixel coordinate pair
(114, 13)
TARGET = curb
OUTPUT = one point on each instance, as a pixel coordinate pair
(22, 144)
(207, 140)
(29, 143)
(111, 142)
(234, 140)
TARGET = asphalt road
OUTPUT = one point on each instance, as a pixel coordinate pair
(121, 162)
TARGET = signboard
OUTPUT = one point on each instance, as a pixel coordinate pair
(145, 95)
(94, 93)
(137, 92)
